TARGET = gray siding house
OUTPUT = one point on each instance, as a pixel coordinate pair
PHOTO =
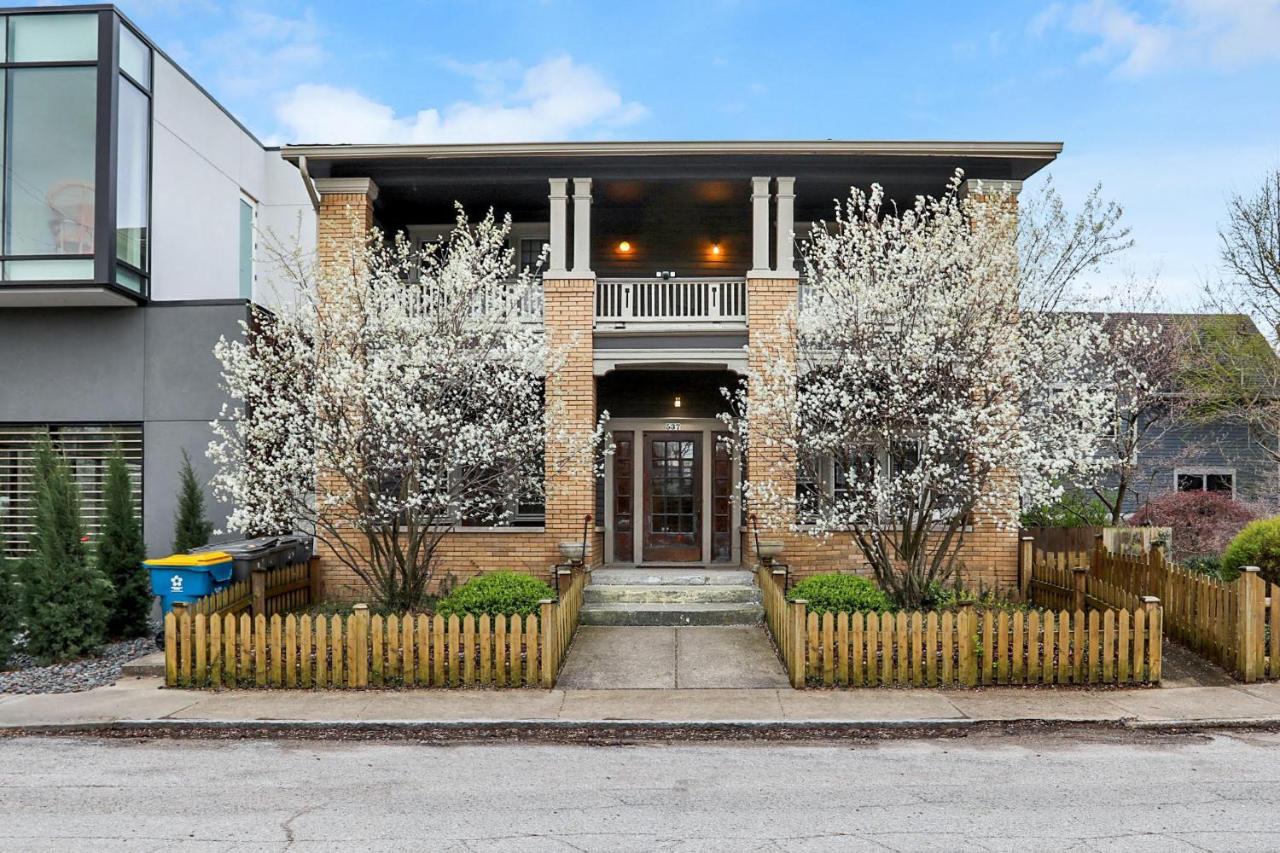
(133, 208)
(1188, 454)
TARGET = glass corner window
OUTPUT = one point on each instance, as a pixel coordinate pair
(49, 269)
(53, 37)
(133, 175)
(135, 57)
(51, 130)
(130, 280)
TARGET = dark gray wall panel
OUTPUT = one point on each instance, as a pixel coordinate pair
(163, 443)
(71, 364)
(182, 374)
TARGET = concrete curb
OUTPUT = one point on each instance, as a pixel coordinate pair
(596, 731)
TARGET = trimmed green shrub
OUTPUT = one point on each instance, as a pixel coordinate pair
(65, 597)
(497, 594)
(190, 527)
(837, 593)
(10, 615)
(1257, 545)
(121, 552)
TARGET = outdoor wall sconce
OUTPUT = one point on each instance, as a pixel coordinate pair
(624, 248)
(716, 251)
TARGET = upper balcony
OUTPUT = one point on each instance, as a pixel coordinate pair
(671, 305)
(673, 236)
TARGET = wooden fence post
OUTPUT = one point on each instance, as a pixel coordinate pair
(258, 589)
(1248, 626)
(547, 616)
(1079, 575)
(358, 626)
(1155, 637)
(799, 642)
(1155, 570)
(1099, 548)
(1024, 566)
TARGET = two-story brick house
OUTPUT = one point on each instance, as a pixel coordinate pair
(667, 262)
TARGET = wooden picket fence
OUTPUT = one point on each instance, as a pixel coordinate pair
(1064, 582)
(963, 648)
(363, 650)
(266, 591)
(1228, 622)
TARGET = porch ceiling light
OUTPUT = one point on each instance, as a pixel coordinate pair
(677, 402)
(716, 250)
(624, 248)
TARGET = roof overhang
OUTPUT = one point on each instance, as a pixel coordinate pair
(420, 182)
(1041, 152)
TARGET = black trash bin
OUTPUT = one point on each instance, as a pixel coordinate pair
(264, 552)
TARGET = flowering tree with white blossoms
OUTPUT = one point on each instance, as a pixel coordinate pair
(913, 389)
(400, 397)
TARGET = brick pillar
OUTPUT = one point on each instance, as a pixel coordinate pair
(990, 553)
(569, 313)
(344, 219)
(343, 223)
(770, 304)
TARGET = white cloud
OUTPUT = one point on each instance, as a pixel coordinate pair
(555, 99)
(1218, 33)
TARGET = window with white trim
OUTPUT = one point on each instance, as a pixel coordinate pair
(1221, 480)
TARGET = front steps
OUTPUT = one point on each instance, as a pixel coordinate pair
(671, 597)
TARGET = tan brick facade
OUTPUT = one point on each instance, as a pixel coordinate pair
(344, 222)
(990, 552)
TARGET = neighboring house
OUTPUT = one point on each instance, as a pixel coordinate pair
(130, 248)
(133, 205)
(668, 260)
(1193, 454)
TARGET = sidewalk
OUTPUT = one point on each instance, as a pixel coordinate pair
(144, 699)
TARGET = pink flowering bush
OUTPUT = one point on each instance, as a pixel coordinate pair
(1203, 523)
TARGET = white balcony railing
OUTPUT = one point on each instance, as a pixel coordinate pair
(672, 301)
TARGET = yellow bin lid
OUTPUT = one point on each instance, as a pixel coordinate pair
(204, 558)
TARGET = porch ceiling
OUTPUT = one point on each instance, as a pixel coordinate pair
(419, 183)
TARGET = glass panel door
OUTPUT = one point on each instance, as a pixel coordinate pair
(673, 497)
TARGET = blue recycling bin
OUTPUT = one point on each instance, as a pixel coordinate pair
(187, 577)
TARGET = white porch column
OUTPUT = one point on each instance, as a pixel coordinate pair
(786, 225)
(760, 225)
(582, 225)
(559, 232)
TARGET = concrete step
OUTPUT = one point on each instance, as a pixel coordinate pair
(679, 576)
(672, 614)
(671, 594)
(145, 666)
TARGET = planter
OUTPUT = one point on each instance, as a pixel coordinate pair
(572, 552)
(769, 549)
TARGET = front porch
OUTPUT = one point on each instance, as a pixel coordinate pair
(666, 496)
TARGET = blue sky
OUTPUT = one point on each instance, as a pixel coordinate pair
(1171, 104)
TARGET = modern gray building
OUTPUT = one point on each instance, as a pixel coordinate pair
(133, 216)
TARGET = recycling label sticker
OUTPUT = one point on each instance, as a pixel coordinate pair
(175, 583)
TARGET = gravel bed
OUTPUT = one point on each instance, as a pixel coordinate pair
(22, 675)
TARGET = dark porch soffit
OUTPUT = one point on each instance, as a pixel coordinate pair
(514, 175)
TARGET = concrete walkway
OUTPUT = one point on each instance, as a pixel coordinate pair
(146, 699)
(636, 658)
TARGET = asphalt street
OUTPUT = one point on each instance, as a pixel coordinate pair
(1064, 791)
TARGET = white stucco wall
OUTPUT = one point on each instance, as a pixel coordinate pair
(202, 162)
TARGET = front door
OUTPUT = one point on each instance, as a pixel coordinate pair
(672, 497)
